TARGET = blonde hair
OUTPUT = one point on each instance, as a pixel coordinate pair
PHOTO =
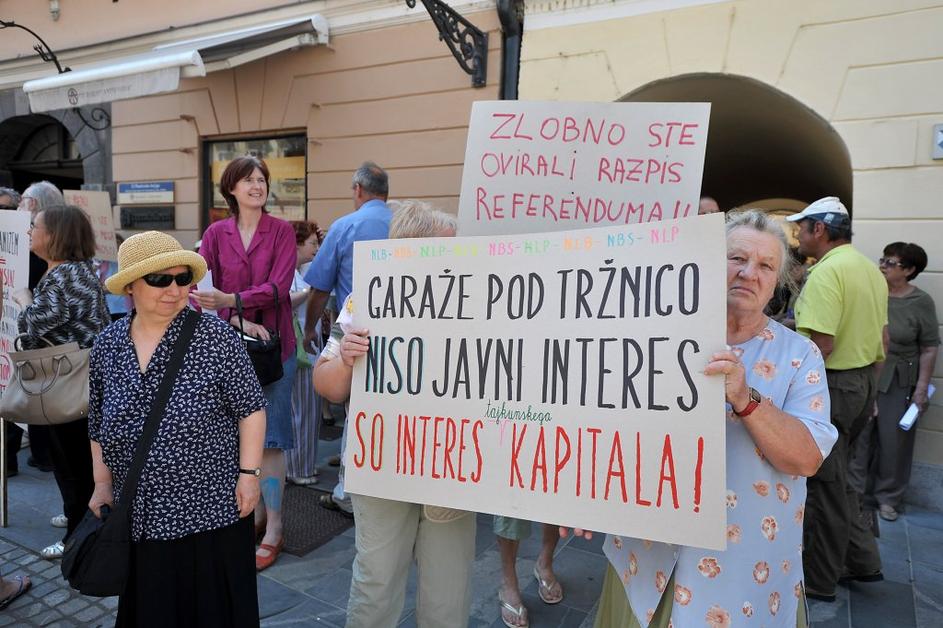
(418, 219)
(758, 220)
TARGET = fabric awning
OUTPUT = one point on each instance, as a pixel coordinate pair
(160, 70)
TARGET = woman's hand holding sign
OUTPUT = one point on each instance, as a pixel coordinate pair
(354, 344)
(728, 364)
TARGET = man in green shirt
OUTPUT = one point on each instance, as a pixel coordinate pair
(843, 309)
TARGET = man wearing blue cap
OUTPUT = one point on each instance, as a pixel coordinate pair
(843, 309)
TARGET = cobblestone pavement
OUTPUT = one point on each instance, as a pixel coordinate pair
(50, 601)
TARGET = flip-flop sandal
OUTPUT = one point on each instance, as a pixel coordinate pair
(519, 612)
(25, 584)
(545, 589)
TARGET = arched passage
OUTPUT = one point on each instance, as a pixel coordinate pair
(762, 143)
(58, 147)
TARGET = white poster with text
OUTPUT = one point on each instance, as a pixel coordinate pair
(535, 166)
(554, 377)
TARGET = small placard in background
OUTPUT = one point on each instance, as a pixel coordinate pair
(97, 205)
(145, 192)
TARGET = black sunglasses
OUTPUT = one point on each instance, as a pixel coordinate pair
(162, 280)
(889, 262)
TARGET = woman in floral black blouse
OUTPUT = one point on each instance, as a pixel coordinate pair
(192, 558)
(68, 305)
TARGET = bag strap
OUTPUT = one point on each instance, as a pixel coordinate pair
(157, 409)
(259, 313)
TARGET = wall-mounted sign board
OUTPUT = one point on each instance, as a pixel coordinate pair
(143, 192)
(159, 217)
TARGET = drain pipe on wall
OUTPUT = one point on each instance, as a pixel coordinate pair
(511, 14)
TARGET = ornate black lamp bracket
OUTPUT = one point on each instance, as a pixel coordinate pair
(100, 120)
(469, 45)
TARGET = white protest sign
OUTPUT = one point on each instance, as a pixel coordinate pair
(548, 166)
(554, 377)
(97, 205)
(14, 269)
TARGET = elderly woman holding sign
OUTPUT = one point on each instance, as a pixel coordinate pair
(778, 433)
(390, 534)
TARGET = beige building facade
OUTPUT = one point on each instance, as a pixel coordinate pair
(335, 83)
(809, 99)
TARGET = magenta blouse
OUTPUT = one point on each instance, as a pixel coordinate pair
(271, 258)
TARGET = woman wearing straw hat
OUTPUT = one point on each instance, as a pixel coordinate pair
(192, 552)
(251, 254)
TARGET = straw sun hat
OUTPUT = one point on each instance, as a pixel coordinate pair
(152, 252)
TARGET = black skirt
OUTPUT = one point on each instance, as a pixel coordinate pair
(202, 580)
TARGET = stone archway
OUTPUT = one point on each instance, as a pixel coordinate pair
(94, 146)
(762, 143)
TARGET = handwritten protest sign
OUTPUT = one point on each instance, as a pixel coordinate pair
(555, 377)
(14, 269)
(97, 205)
(549, 166)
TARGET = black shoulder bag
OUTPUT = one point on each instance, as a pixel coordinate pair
(266, 355)
(97, 555)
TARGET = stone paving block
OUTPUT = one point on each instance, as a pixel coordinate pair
(276, 598)
(7, 619)
(27, 559)
(34, 608)
(333, 588)
(90, 614)
(924, 518)
(929, 540)
(110, 603)
(56, 597)
(309, 613)
(43, 589)
(73, 606)
(573, 619)
(47, 617)
(928, 584)
(882, 604)
(51, 571)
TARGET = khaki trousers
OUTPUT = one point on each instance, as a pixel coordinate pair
(835, 540)
(390, 534)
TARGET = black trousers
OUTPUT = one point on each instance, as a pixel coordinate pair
(835, 539)
(39, 445)
(72, 462)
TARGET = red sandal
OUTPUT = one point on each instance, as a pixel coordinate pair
(264, 562)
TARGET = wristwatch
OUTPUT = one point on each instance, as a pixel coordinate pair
(755, 401)
(256, 472)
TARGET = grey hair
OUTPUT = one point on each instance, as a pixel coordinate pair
(758, 220)
(373, 179)
(418, 219)
(13, 194)
(45, 194)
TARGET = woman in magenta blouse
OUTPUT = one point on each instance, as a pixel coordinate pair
(248, 253)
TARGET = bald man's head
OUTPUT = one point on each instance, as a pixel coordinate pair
(707, 206)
